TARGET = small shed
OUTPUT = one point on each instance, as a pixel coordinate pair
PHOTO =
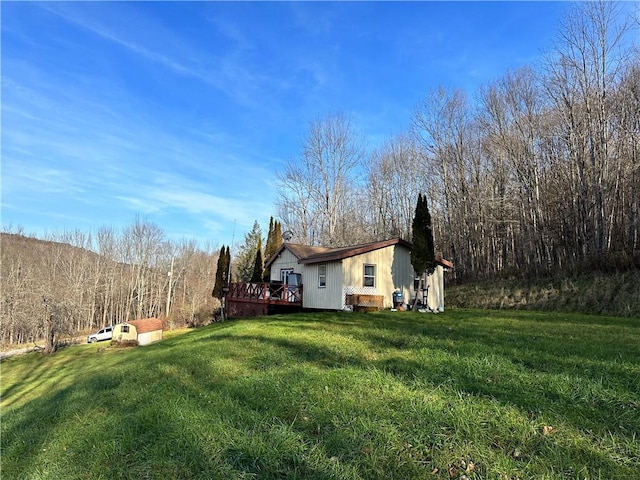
(145, 331)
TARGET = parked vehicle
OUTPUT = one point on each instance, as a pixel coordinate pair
(105, 334)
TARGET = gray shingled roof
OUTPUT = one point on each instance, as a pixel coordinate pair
(308, 254)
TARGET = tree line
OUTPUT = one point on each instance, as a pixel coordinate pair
(539, 171)
(76, 281)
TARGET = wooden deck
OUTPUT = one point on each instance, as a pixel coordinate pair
(255, 299)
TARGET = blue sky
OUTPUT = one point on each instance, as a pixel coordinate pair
(181, 113)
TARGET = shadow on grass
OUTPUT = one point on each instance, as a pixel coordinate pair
(157, 416)
(38, 372)
(315, 398)
(284, 399)
(544, 382)
(589, 388)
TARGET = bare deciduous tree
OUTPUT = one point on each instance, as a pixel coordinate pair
(397, 174)
(316, 189)
(74, 282)
(581, 79)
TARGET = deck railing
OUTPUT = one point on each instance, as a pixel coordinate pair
(264, 292)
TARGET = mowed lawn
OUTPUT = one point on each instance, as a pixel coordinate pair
(390, 395)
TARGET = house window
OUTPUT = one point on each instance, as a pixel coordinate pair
(369, 276)
(125, 329)
(322, 276)
(284, 275)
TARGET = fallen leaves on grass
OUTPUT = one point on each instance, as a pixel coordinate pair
(463, 468)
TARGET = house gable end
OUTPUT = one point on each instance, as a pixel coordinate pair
(297, 250)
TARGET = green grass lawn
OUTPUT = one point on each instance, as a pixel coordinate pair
(390, 395)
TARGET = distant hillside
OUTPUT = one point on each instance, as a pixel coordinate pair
(56, 286)
(12, 244)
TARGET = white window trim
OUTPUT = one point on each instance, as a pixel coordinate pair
(322, 276)
(365, 276)
(284, 274)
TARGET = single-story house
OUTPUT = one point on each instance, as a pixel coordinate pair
(368, 274)
(145, 330)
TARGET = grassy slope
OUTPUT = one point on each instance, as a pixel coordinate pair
(500, 395)
(595, 293)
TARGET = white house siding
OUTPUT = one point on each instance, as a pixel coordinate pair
(330, 297)
(436, 289)
(393, 270)
(149, 337)
(286, 260)
(435, 295)
(402, 273)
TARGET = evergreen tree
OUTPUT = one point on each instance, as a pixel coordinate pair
(222, 272)
(423, 256)
(277, 235)
(270, 248)
(226, 273)
(258, 264)
(274, 240)
(245, 259)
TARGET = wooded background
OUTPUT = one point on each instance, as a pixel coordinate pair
(75, 282)
(536, 173)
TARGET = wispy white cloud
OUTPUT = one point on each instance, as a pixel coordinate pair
(185, 111)
(214, 213)
(221, 69)
(46, 180)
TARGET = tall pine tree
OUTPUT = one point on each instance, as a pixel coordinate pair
(226, 274)
(423, 256)
(274, 240)
(222, 272)
(258, 265)
(270, 247)
(246, 253)
(277, 235)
